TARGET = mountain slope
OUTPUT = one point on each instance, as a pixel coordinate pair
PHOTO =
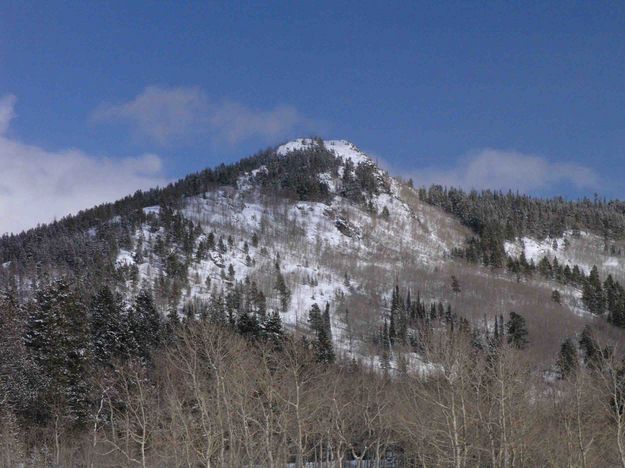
(326, 219)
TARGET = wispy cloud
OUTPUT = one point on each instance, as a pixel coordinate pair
(503, 170)
(37, 185)
(164, 115)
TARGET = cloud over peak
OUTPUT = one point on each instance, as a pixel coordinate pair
(164, 115)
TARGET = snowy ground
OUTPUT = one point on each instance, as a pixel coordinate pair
(583, 250)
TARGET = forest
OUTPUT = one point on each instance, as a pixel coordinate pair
(115, 384)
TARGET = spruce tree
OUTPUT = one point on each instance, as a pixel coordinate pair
(517, 331)
(108, 327)
(320, 325)
(248, 326)
(284, 294)
(57, 338)
(145, 324)
(22, 382)
(592, 293)
(567, 359)
(590, 348)
(272, 328)
(455, 284)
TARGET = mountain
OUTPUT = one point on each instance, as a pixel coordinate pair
(313, 240)
(343, 231)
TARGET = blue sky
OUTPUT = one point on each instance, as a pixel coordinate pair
(100, 98)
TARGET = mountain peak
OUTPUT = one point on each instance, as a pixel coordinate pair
(341, 148)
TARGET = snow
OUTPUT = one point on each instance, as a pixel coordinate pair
(152, 210)
(341, 148)
(313, 251)
(583, 250)
(550, 247)
(124, 258)
(294, 145)
(346, 150)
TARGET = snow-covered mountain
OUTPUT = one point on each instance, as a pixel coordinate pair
(337, 228)
(346, 250)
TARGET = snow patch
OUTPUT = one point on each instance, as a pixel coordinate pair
(124, 258)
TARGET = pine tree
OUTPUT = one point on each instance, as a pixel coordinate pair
(283, 291)
(216, 312)
(323, 346)
(314, 318)
(108, 327)
(386, 348)
(455, 284)
(145, 324)
(272, 328)
(590, 348)
(517, 331)
(248, 326)
(320, 325)
(326, 321)
(592, 293)
(22, 382)
(172, 325)
(395, 303)
(57, 338)
(567, 359)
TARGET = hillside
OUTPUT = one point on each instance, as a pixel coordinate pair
(305, 261)
(341, 230)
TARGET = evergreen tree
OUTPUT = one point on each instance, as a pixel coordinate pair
(314, 318)
(248, 326)
(326, 321)
(145, 324)
(592, 293)
(455, 284)
(109, 335)
(517, 331)
(57, 338)
(172, 325)
(320, 324)
(216, 312)
(567, 359)
(22, 382)
(283, 291)
(273, 329)
(590, 348)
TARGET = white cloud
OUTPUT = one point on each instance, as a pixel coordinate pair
(164, 115)
(7, 112)
(37, 185)
(503, 170)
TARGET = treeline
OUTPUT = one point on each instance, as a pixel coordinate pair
(496, 217)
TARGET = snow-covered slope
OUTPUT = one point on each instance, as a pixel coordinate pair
(329, 251)
(583, 249)
(345, 251)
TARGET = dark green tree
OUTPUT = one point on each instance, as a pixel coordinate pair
(145, 324)
(516, 328)
(567, 361)
(109, 329)
(57, 338)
